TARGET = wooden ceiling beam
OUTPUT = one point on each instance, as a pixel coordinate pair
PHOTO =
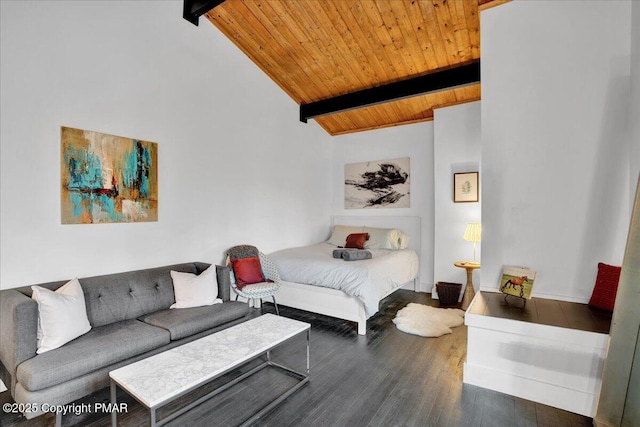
(194, 9)
(448, 79)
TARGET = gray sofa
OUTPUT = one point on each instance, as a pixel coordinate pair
(130, 320)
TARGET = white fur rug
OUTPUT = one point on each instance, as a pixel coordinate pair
(426, 321)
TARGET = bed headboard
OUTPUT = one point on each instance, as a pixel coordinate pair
(409, 224)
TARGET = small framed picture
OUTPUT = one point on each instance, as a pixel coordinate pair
(465, 187)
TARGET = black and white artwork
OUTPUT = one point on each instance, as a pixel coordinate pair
(377, 184)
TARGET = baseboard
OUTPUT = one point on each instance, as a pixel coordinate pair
(420, 287)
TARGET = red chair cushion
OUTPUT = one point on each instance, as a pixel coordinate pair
(604, 292)
(247, 271)
(356, 240)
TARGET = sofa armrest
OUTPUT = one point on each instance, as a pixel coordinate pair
(18, 335)
(224, 283)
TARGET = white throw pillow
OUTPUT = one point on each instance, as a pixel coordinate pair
(385, 238)
(340, 233)
(193, 290)
(62, 315)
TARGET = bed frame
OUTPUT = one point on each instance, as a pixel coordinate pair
(335, 303)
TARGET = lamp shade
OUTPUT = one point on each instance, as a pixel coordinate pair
(473, 232)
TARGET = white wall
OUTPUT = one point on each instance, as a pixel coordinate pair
(236, 166)
(457, 147)
(555, 141)
(414, 141)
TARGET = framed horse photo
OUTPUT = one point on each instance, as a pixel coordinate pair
(517, 281)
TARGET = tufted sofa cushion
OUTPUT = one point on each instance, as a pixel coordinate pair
(100, 347)
(123, 296)
(185, 322)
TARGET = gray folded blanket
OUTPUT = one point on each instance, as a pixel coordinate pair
(352, 254)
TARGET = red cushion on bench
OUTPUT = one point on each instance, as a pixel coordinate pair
(604, 292)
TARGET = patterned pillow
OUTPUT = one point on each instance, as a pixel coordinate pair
(606, 287)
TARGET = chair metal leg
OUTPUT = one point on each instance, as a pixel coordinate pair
(275, 304)
(261, 306)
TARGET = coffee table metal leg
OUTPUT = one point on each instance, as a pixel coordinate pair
(304, 379)
(114, 414)
(308, 348)
(152, 415)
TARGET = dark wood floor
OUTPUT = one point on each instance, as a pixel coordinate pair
(564, 314)
(386, 378)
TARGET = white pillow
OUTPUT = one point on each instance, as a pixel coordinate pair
(403, 240)
(192, 290)
(385, 238)
(340, 233)
(62, 315)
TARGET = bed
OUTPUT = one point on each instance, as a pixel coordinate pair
(312, 280)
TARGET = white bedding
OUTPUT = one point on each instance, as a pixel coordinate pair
(367, 280)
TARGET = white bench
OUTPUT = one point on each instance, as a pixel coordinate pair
(516, 353)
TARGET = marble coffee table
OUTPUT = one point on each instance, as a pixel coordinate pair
(162, 378)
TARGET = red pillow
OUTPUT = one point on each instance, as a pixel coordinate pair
(247, 271)
(604, 292)
(356, 240)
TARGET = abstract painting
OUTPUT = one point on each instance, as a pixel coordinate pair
(377, 184)
(107, 178)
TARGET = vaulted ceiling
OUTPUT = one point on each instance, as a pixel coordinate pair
(319, 49)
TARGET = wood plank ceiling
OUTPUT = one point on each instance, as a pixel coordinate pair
(319, 49)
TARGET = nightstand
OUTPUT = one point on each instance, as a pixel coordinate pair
(469, 292)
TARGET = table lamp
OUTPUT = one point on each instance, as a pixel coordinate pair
(473, 233)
